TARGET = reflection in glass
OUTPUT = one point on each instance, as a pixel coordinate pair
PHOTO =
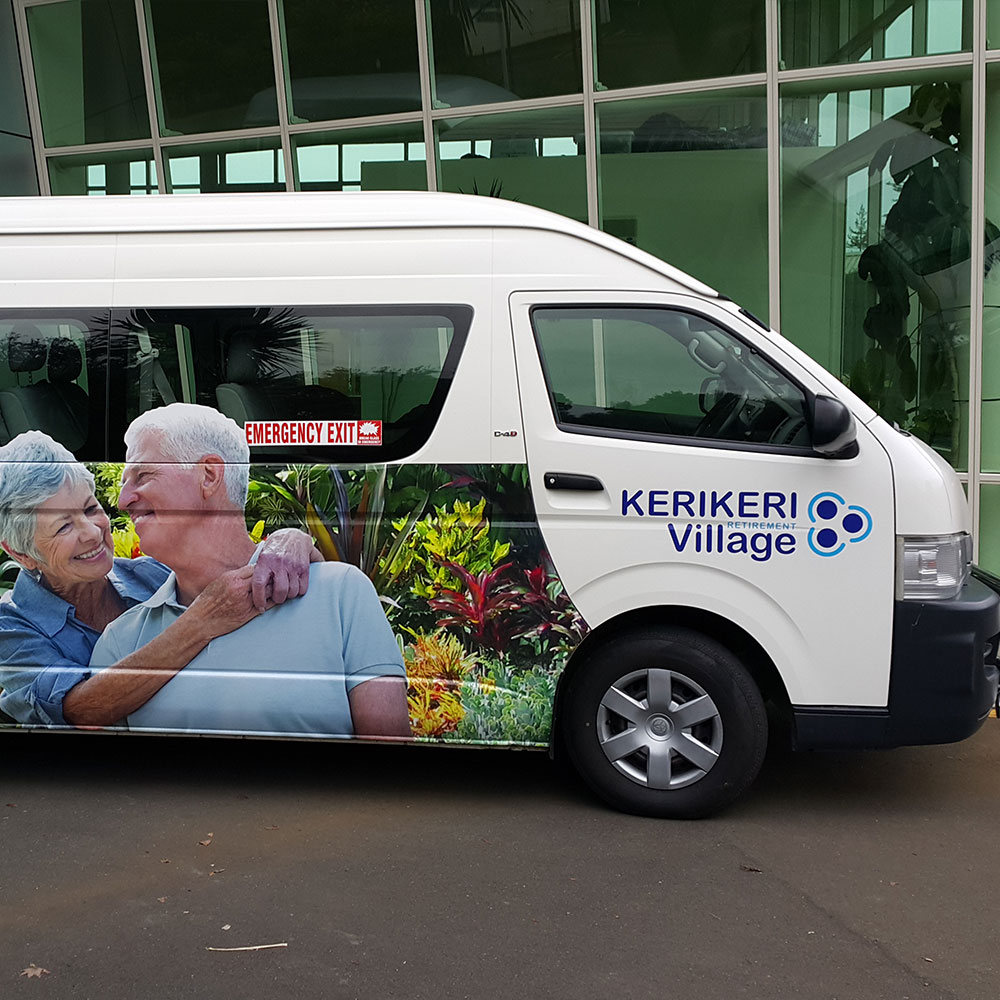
(666, 372)
(205, 86)
(889, 308)
(88, 72)
(708, 146)
(991, 286)
(993, 24)
(237, 165)
(129, 171)
(13, 110)
(534, 157)
(829, 32)
(389, 158)
(349, 60)
(53, 377)
(647, 43)
(504, 50)
(989, 527)
(17, 166)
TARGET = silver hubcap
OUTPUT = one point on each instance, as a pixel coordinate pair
(659, 728)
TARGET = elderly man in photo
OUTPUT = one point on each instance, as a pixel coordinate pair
(326, 664)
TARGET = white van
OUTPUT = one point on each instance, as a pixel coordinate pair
(603, 508)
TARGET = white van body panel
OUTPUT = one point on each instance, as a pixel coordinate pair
(929, 497)
(62, 270)
(355, 211)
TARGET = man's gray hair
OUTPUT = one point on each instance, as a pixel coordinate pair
(33, 469)
(189, 432)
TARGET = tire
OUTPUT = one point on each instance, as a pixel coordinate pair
(684, 750)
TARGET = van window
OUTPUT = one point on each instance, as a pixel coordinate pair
(649, 371)
(391, 365)
(52, 377)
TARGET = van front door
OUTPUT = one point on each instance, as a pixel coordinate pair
(669, 454)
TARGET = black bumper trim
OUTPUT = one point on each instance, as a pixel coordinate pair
(942, 685)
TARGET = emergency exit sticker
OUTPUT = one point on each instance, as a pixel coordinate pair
(264, 433)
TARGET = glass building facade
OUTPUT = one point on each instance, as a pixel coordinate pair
(834, 165)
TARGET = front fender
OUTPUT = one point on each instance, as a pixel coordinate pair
(671, 585)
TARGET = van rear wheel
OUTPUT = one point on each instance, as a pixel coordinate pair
(665, 722)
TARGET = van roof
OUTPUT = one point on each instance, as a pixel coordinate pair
(305, 210)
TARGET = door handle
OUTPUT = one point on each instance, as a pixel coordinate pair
(572, 481)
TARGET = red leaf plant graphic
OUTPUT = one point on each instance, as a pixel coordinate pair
(482, 612)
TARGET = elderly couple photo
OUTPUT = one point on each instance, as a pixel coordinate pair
(204, 633)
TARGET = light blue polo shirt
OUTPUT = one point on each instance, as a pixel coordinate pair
(287, 672)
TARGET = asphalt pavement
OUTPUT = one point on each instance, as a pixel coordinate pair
(166, 868)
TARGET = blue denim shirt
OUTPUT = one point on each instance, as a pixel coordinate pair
(45, 649)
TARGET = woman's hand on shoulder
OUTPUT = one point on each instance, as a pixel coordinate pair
(282, 568)
(227, 603)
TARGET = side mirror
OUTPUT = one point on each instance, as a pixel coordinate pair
(833, 431)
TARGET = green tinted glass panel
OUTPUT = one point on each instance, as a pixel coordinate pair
(828, 32)
(875, 242)
(989, 527)
(534, 157)
(13, 110)
(88, 71)
(204, 85)
(17, 166)
(129, 171)
(350, 60)
(647, 43)
(500, 51)
(392, 158)
(991, 287)
(237, 165)
(993, 24)
(713, 149)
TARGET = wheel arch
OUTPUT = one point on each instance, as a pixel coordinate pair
(734, 637)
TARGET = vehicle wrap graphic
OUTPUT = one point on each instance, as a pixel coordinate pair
(482, 622)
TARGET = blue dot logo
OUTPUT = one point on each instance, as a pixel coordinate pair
(838, 524)
(826, 509)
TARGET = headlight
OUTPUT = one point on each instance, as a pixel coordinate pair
(932, 567)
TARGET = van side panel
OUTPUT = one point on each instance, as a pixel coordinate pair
(64, 270)
(526, 259)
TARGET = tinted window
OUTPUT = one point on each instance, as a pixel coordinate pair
(665, 372)
(53, 377)
(389, 368)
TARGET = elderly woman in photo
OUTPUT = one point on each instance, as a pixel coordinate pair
(71, 587)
